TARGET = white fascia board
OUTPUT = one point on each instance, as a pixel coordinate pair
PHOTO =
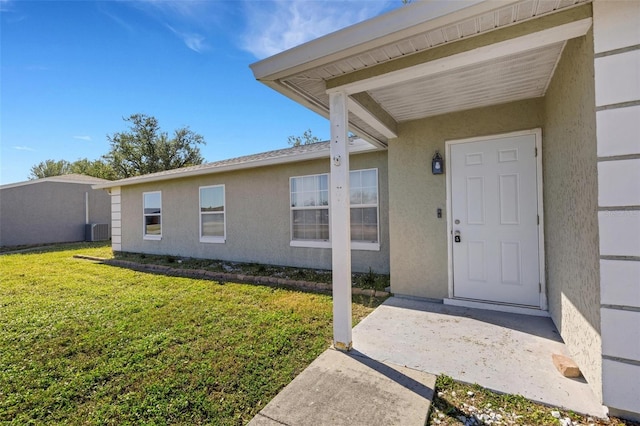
(299, 97)
(358, 146)
(406, 21)
(53, 179)
(481, 54)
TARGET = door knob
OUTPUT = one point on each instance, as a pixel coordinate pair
(456, 237)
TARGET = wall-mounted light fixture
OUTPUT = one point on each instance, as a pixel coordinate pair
(437, 164)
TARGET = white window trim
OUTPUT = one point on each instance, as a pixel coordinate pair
(309, 243)
(364, 246)
(368, 245)
(146, 236)
(355, 245)
(213, 240)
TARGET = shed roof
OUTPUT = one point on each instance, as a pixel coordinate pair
(68, 178)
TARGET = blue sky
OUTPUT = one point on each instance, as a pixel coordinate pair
(71, 70)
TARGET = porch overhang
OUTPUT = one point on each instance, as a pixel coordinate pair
(429, 58)
(424, 59)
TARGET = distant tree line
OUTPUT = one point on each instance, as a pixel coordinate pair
(140, 150)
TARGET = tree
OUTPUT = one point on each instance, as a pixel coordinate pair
(141, 150)
(50, 168)
(306, 139)
(84, 166)
(145, 149)
(96, 168)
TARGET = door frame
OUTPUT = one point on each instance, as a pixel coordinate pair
(537, 133)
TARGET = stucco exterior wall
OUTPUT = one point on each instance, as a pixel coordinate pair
(418, 237)
(49, 212)
(257, 217)
(571, 207)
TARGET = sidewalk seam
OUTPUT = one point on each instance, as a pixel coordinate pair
(272, 419)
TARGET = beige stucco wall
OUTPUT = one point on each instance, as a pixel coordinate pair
(566, 114)
(418, 238)
(257, 215)
(571, 206)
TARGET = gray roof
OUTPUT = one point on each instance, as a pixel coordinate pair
(278, 156)
(69, 178)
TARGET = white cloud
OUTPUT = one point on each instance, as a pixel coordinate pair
(191, 21)
(11, 12)
(4, 5)
(272, 27)
(106, 9)
(195, 42)
(83, 138)
(23, 148)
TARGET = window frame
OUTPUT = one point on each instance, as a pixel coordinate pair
(154, 237)
(313, 243)
(367, 245)
(355, 245)
(213, 239)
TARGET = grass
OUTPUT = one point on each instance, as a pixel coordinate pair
(458, 403)
(86, 343)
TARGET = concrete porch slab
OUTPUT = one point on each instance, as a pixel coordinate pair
(505, 352)
(351, 389)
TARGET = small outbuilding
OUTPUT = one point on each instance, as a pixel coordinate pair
(56, 209)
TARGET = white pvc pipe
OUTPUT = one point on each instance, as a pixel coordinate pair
(86, 208)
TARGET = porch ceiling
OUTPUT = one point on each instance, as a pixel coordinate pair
(511, 78)
(431, 67)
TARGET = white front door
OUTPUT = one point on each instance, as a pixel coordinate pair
(494, 220)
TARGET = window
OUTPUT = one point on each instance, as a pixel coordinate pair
(152, 212)
(212, 220)
(310, 208)
(364, 206)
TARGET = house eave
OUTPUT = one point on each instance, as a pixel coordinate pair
(396, 25)
(402, 49)
(355, 149)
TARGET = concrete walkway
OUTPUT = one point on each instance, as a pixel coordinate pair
(389, 376)
(351, 389)
(505, 352)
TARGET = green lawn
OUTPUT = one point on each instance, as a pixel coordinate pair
(85, 343)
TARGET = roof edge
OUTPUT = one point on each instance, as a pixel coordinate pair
(357, 148)
(401, 23)
(90, 180)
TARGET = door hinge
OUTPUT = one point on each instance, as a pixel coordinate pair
(536, 151)
(538, 216)
(539, 287)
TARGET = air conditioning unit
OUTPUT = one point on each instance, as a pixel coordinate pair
(96, 232)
